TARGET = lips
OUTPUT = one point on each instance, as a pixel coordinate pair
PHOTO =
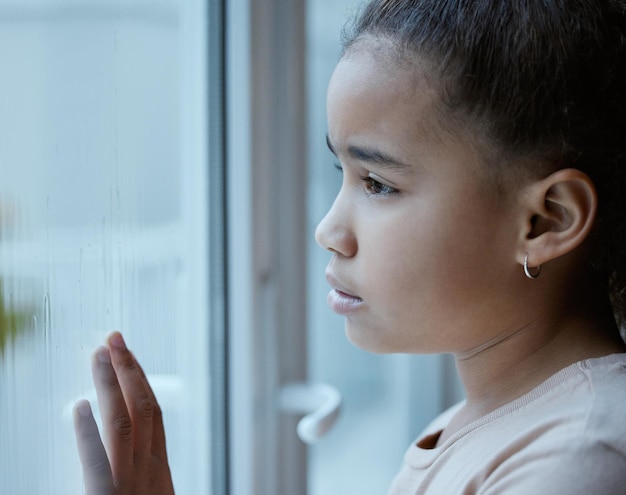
(340, 299)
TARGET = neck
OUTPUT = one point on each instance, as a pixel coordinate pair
(516, 361)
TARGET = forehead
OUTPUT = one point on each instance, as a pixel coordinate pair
(375, 98)
(370, 79)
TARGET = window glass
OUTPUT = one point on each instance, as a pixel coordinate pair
(104, 225)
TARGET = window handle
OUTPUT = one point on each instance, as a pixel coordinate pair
(320, 404)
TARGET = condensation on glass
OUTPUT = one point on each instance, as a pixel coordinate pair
(102, 225)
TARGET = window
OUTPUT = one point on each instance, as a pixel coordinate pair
(111, 217)
(118, 212)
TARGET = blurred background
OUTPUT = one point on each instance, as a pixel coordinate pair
(142, 190)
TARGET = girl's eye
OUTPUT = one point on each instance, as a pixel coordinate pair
(374, 187)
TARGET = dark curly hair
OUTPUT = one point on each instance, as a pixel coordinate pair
(545, 79)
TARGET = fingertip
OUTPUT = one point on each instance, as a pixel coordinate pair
(100, 359)
(103, 355)
(84, 422)
(116, 340)
(82, 408)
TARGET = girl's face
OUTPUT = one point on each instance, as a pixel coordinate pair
(422, 245)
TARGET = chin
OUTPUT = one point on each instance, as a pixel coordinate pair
(368, 339)
(378, 340)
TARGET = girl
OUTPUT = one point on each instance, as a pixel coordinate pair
(481, 214)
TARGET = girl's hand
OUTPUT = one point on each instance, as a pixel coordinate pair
(135, 459)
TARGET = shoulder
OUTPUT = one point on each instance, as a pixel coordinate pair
(568, 436)
(580, 467)
(588, 401)
(572, 439)
(576, 409)
(606, 419)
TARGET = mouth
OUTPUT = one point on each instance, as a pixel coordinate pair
(340, 300)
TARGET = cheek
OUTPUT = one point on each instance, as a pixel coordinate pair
(428, 261)
(396, 260)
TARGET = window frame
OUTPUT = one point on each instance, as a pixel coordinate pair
(267, 218)
(217, 247)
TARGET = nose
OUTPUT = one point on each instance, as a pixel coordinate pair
(335, 232)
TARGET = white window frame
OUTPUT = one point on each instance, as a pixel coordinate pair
(266, 176)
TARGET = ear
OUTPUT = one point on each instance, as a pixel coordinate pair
(559, 212)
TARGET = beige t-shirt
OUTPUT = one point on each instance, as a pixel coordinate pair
(565, 437)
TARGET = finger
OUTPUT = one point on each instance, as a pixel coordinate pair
(158, 431)
(139, 401)
(118, 427)
(93, 457)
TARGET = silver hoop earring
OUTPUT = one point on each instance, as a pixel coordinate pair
(527, 271)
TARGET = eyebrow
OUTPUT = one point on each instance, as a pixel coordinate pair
(369, 155)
